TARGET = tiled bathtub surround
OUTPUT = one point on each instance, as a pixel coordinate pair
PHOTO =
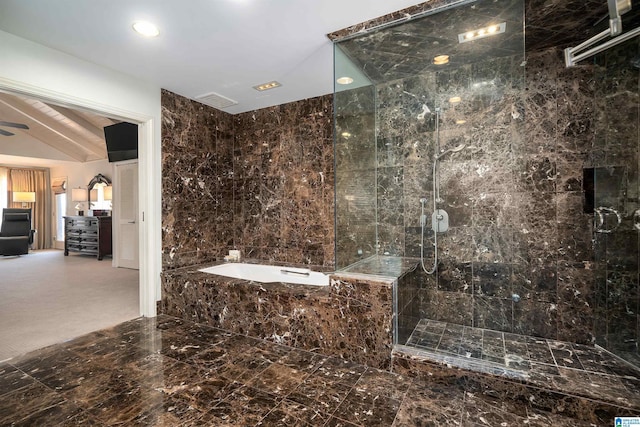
(351, 318)
(261, 182)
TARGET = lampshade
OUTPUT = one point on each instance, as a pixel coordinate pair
(78, 195)
(24, 196)
(108, 192)
(93, 195)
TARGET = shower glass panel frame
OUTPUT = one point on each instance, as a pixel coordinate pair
(356, 183)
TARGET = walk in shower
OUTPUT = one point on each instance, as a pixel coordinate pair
(526, 169)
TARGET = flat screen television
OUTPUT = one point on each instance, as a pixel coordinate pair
(122, 141)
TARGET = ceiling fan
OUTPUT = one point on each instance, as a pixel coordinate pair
(11, 125)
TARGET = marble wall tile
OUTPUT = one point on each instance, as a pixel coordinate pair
(492, 279)
(296, 138)
(192, 137)
(535, 282)
(455, 276)
(575, 243)
(408, 303)
(622, 298)
(540, 102)
(535, 318)
(390, 181)
(453, 307)
(618, 257)
(261, 182)
(536, 173)
(493, 313)
(495, 209)
(575, 302)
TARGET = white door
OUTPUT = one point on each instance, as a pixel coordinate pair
(125, 214)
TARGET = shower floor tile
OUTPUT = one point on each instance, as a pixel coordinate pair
(567, 367)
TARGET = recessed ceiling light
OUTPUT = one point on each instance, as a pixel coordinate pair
(454, 99)
(344, 80)
(481, 33)
(146, 29)
(267, 86)
(441, 59)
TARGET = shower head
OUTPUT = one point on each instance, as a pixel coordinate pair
(451, 150)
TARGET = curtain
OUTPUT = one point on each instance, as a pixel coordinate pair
(36, 180)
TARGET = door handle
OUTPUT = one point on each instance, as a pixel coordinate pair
(636, 219)
(132, 222)
(600, 212)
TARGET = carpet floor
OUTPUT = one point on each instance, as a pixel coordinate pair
(47, 298)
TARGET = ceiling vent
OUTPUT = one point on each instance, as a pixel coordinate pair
(216, 100)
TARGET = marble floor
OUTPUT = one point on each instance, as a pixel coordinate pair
(169, 372)
(567, 367)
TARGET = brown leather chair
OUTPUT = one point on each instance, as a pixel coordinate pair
(16, 234)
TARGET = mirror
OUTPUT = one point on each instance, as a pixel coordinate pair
(96, 190)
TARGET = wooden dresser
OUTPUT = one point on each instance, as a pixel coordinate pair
(89, 235)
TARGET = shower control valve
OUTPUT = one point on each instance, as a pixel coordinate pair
(440, 221)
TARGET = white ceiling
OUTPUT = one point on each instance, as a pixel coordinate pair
(221, 46)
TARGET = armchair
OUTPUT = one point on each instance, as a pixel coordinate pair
(16, 234)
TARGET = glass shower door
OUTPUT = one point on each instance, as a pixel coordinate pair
(616, 203)
(616, 218)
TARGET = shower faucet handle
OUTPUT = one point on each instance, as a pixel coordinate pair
(600, 212)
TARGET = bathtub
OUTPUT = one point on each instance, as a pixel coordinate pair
(269, 273)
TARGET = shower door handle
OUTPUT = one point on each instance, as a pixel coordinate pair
(600, 212)
(636, 219)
